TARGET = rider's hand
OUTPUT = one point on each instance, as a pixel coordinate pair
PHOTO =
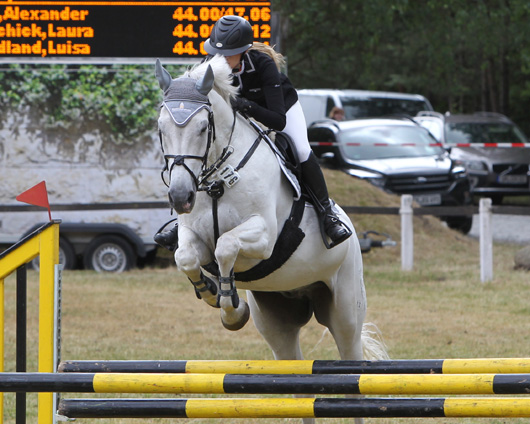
(241, 104)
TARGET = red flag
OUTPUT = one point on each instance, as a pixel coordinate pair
(36, 195)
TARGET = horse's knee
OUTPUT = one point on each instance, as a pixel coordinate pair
(187, 260)
(227, 249)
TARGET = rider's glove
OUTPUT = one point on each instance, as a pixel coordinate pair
(241, 104)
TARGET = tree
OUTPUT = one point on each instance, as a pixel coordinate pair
(463, 55)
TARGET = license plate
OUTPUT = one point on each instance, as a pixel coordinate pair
(513, 179)
(428, 199)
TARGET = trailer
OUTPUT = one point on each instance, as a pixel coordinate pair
(109, 197)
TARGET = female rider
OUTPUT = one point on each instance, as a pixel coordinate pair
(268, 96)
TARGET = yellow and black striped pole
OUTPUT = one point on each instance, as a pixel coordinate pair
(366, 384)
(295, 408)
(400, 366)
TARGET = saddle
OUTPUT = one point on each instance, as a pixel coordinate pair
(286, 147)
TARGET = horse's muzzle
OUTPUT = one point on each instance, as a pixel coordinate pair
(181, 202)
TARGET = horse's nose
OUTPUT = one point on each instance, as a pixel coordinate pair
(181, 201)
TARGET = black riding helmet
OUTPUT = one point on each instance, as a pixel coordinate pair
(230, 35)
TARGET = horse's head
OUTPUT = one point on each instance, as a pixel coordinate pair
(186, 126)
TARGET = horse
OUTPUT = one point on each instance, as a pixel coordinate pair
(235, 207)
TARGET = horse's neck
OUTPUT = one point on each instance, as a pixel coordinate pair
(261, 189)
(238, 134)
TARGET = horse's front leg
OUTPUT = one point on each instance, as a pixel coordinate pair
(191, 253)
(251, 240)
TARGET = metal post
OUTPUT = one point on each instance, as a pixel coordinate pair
(21, 342)
(407, 233)
(2, 341)
(486, 241)
(49, 257)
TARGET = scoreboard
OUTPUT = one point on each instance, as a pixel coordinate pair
(79, 29)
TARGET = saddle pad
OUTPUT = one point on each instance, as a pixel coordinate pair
(295, 184)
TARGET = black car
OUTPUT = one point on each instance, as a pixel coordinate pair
(398, 156)
(492, 148)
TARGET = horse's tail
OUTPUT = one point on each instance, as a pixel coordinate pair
(374, 347)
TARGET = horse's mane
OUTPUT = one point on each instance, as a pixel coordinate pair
(222, 74)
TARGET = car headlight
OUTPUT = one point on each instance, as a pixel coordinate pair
(459, 171)
(378, 182)
(474, 165)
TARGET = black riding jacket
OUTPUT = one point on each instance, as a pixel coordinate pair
(270, 92)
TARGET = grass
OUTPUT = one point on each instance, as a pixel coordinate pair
(440, 309)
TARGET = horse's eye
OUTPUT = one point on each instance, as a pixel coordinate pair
(203, 126)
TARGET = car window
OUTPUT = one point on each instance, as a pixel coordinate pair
(435, 127)
(382, 142)
(330, 104)
(321, 135)
(479, 132)
(373, 107)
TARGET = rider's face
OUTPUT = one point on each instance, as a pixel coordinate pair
(233, 61)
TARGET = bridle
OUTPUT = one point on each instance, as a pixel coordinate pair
(214, 188)
(201, 181)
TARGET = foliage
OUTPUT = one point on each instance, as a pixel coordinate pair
(463, 55)
(119, 100)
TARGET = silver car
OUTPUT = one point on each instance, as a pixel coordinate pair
(399, 157)
(493, 149)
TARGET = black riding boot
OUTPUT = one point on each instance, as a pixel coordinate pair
(168, 239)
(313, 178)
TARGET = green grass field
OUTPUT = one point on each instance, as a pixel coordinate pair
(440, 309)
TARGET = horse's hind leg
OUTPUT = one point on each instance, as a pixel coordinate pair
(342, 308)
(279, 319)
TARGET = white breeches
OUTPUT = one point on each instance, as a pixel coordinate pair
(296, 128)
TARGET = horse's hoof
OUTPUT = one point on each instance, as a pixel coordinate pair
(242, 316)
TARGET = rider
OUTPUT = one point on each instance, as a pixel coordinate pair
(268, 96)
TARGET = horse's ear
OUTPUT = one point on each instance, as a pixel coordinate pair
(205, 84)
(163, 76)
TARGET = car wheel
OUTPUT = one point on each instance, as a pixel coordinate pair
(67, 257)
(460, 223)
(109, 254)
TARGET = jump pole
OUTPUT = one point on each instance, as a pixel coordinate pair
(400, 366)
(371, 384)
(295, 408)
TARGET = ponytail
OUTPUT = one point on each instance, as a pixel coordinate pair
(278, 58)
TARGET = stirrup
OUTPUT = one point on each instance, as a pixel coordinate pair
(333, 223)
(338, 222)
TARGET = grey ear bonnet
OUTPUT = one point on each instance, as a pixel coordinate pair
(184, 97)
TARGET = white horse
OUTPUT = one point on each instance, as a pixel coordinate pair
(236, 224)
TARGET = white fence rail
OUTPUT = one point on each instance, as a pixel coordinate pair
(407, 212)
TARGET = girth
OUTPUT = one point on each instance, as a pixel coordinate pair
(288, 241)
